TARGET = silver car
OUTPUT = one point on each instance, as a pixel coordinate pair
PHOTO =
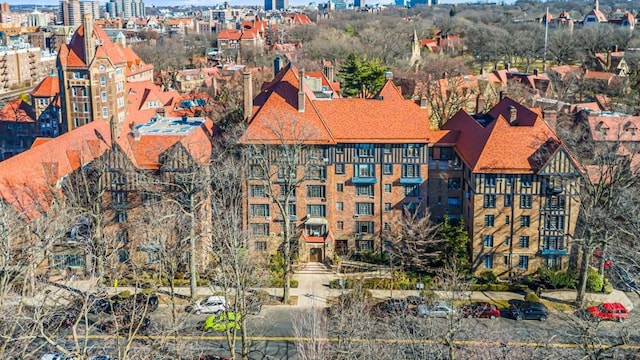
(438, 309)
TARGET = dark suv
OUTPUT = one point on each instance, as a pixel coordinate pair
(529, 311)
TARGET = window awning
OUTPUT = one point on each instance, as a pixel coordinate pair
(411, 180)
(363, 180)
(316, 221)
(553, 252)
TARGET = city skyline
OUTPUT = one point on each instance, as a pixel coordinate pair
(209, 3)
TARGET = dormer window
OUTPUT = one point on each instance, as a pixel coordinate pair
(102, 68)
(602, 127)
(630, 127)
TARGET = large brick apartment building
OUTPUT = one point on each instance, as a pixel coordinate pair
(504, 173)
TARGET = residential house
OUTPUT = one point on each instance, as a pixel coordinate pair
(45, 100)
(18, 127)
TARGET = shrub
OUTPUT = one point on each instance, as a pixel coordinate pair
(607, 288)
(595, 281)
(490, 287)
(531, 297)
(557, 279)
(488, 277)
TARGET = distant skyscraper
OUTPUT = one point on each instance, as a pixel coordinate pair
(358, 3)
(126, 8)
(275, 4)
(340, 4)
(70, 13)
(36, 18)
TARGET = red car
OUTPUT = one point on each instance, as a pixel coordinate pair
(609, 311)
(481, 310)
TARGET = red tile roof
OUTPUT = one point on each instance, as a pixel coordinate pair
(500, 147)
(300, 19)
(392, 119)
(28, 180)
(613, 128)
(72, 55)
(48, 87)
(18, 111)
(230, 34)
(40, 141)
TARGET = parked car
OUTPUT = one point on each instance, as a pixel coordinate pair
(223, 321)
(480, 310)
(127, 303)
(101, 357)
(392, 306)
(609, 311)
(212, 357)
(209, 305)
(529, 311)
(438, 309)
(123, 325)
(55, 356)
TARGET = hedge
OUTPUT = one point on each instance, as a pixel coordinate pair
(498, 287)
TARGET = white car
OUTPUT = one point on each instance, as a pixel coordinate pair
(439, 309)
(209, 305)
(55, 356)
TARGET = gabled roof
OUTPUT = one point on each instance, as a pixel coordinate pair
(230, 34)
(614, 127)
(500, 147)
(18, 111)
(390, 92)
(598, 14)
(48, 87)
(72, 55)
(28, 180)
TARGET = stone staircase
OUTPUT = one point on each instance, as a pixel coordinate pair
(313, 268)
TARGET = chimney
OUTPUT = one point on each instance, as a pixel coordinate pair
(423, 101)
(89, 44)
(535, 71)
(513, 115)
(507, 65)
(277, 65)
(551, 117)
(301, 91)
(388, 75)
(479, 104)
(327, 69)
(247, 94)
(503, 94)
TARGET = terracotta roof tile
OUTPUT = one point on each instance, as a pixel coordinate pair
(48, 87)
(18, 111)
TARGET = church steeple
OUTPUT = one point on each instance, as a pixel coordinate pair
(597, 5)
(416, 59)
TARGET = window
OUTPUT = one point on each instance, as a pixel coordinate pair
(410, 170)
(123, 255)
(387, 206)
(553, 243)
(340, 225)
(364, 190)
(507, 219)
(387, 169)
(524, 242)
(255, 172)
(487, 261)
(411, 190)
(315, 191)
(364, 170)
(103, 81)
(316, 210)
(340, 149)
(364, 150)
(340, 187)
(62, 261)
(260, 210)
(120, 102)
(339, 206)
(490, 180)
(454, 183)
(508, 179)
(259, 229)
(525, 221)
(508, 200)
(258, 191)
(78, 75)
(292, 211)
(523, 262)
(411, 150)
(121, 216)
(86, 107)
(525, 201)
(102, 68)
(454, 202)
(387, 188)
(105, 112)
(555, 202)
(506, 240)
(76, 122)
(120, 86)
(387, 227)
(118, 71)
(364, 245)
(488, 220)
(317, 172)
(75, 107)
(526, 180)
(487, 241)
(386, 149)
(489, 201)
(260, 245)
(339, 168)
(364, 227)
(103, 95)
(411, 207)
(554, 222)
(364, 208)
(342, 247)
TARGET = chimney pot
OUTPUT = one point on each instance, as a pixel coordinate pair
(503, 94)
(388, 75)
(277, 65)
(247, 94)
(423, 102)
(535, 71)
(551, 117)
(301, 104)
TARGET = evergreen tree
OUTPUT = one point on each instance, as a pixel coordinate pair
(361, 76)
(456, 241)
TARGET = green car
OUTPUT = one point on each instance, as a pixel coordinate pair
(223, 321)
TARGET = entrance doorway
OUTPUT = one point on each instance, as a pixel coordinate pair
(315, 255)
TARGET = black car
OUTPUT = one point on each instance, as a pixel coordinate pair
(123, 325)
(529, 311)
(393, 306)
